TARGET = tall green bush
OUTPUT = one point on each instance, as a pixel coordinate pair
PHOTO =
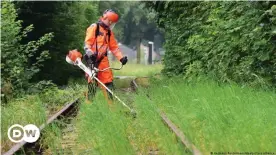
(16, 67)
(231, 41)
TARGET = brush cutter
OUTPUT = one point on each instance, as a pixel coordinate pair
(74, 58)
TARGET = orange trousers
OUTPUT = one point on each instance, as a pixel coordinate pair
(105, 77)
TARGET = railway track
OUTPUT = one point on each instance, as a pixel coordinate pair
(70, 110)
(173, 127)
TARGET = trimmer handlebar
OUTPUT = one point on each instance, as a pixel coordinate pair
(102, 70)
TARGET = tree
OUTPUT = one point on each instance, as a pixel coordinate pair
(136, 22)
(68, 22)
(17, 69)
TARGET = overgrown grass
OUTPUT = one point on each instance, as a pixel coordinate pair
(34, 109)
(109, 129)
(219, 117)
(148, 132)
(132, 69)
(28, 110)
(55, 99)
(215, 117)
(101, 131)
(52, 139)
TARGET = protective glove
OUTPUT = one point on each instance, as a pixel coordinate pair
(123, 60)
(90, 58)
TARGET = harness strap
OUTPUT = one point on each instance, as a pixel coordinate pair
(96, 35)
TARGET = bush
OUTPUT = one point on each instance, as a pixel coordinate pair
(227, 40)
(16, 65)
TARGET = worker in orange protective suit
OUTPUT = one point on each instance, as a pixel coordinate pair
(99, 39)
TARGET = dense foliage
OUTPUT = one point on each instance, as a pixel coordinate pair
(231, 41)
(19, 61)
(35, 39)
(68, 22)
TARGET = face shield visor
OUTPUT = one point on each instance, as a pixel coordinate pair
(112, 26)
(112, 18)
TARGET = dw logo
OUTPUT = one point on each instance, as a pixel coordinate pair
(29, 133)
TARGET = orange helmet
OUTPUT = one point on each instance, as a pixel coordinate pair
(111, 15)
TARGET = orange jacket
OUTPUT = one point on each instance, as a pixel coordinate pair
(103, 42)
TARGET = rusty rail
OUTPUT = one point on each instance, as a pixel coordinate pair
(174, 128)
(180, 135)
(17, 146)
